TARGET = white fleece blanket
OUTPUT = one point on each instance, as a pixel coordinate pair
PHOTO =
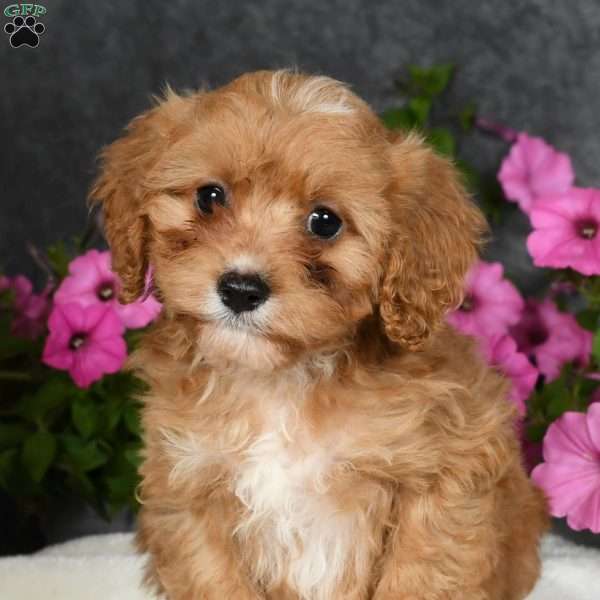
(105, 567)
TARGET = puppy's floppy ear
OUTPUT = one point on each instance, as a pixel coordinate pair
(438, 231)
(120, 189)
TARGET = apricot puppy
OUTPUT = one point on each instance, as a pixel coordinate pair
(313, 430)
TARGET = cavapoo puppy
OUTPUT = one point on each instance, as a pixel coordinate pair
(313, 429)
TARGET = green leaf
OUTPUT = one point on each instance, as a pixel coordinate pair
(121, 490)
(122, 384)
(83, 485)
(131, 415)
(557, 405)
(51, 396)
(399, 118)
(7, 295)
(112, 410)
(38, 453)
(556, 398)
(133, 455)
(413, 115)
(442, 141)
(596, 346)
(420, 107)
(536, 432)
(12, 434)
(85, 417)
(7, 464)
(121, 484)
(582, 393)
(11, 346)
(431, 81)
(466, 117)
(122, 476)
(471, 178)
(84, 456)
(59, 259)
(588, 319)
(133, 338)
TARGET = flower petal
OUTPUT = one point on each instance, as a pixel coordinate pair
(593, 426)
(562, 339)
(533, 169)
(87, 273)
(59, 325)
(57, 356)
(94, 360)
(586, 514)
(568, 440)
(139, 314)
(106, 323)
(566, 485)
(22, 288)
(501, 352)
(554, 174)
(114, 353)
(77, 289)
(553, 247)
(497, 304)
(74, 316)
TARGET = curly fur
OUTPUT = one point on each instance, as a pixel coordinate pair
(342, 442)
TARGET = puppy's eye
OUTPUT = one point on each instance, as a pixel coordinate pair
(209, 195)
(323, 223)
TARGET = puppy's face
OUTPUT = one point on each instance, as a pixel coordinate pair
(277, 214)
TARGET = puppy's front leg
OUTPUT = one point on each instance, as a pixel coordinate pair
(192, 556)
(442, 548)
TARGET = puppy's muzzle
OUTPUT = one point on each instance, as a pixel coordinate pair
(242, 292)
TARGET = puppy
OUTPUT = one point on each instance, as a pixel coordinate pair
(313, 430)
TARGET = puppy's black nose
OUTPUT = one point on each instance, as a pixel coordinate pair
(242, 292)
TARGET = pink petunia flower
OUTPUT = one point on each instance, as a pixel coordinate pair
(31, 310)
(551, 338)
(570, 473)
(534, 169)
(566, 231)
(491, 303)
(501, 351)
(91, 281)
(87, 341)
(4, 283)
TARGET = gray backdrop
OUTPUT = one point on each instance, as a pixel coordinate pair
(533, 64)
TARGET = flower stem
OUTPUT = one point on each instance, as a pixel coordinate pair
(42, 262)
(505, 133)
(15, 376)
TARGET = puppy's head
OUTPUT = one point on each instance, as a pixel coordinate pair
(277, 214)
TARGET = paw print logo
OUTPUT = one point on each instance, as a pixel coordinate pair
(24, 31)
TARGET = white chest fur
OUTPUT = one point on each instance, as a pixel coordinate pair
(303, 539)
